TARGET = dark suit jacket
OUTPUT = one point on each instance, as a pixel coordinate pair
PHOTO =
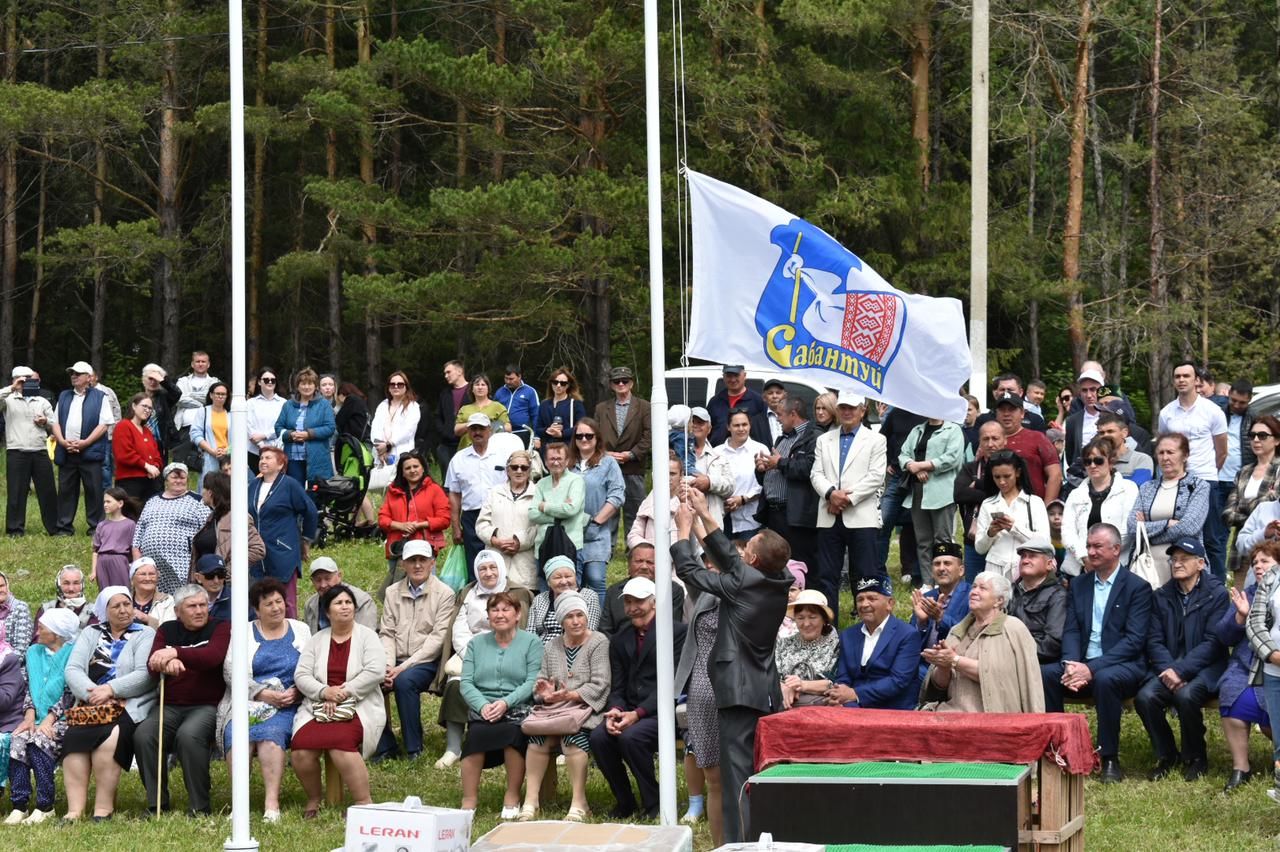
(1124, 627)
(760, 431)
(752, 606)
(635, 677)
(614, 615)
(802, 500)
(1184, 641)
(446, 417)
(637, 432)
(718, 407)
(891, 678)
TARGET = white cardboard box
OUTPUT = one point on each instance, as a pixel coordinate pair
(407, 826)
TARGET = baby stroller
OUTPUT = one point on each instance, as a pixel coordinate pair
(339, 497)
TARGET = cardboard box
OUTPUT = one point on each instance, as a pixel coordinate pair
(407, 826)
(550, 836)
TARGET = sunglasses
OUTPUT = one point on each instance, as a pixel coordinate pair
(1260, 436)
(585, 436)
(395, 384)
(267, 380)
(559, 382)
(1064, 398)
(622, 381)
(1095, 461)
(517, 467)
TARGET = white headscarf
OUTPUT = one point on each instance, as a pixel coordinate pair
(486, 556)
(61, 622)
(104, 598)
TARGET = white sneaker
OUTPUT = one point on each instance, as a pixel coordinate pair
(15, 816)
(37, 816)
(691, 818)
(906, 579)
(270, 816)
(559, 760)
(509, 812)
(446, 760)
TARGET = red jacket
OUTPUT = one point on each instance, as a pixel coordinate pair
(133, 447)
(428, 503)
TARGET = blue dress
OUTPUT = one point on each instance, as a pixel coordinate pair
(275, 658)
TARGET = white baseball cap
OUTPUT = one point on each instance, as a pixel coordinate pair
(325, 564)
(417, 547)
(1091, 374)
(80, 367)
(22, 373)
(639, 588)
(479, 419)
(850, 398)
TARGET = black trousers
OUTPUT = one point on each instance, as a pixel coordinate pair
(633, 749)
(1188, 702)
(803, 540)
(737, 760)
(1109, 689)
(24, 467)
(833, 543)
(74, 474)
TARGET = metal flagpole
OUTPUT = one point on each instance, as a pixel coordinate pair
(978, 144)
(240, 838)
(658, 406)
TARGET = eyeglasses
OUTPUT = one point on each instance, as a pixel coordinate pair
(585, 436)
(517, 467)
(1260, 436)
(562, 382)
(395, 384)
(1064, 398)
(1095, 461)
(267, 380)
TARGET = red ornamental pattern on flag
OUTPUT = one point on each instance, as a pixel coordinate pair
(869, 324)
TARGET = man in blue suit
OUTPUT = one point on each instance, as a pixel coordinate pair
(879, 663)
(1104, 642)
(946, 604)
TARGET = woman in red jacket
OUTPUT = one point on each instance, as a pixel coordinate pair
(137, 456)
(415, 508)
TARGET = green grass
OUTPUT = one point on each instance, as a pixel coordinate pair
(1170, 814)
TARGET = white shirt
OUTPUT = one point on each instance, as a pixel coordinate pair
(261, 419)
(872, 640)
(74, 430)
(742, 466)
(1231, 464)
(1088, 427)
(1200, 423)
(195, 391)
(472, 475)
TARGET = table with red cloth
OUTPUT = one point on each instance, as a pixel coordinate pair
(845, 735)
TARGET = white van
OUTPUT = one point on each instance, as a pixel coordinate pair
(696, 385)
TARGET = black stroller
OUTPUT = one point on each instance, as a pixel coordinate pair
(338, 498)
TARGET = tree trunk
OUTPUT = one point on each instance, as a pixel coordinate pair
(499, 118)
(372, 330)
(98, 333)
(257, 262)
(42, 205)
(166, 279)
(9, 269)
(921, 56)
(1159, 380)
(331, 169)
(1033, 306)
(1075, 194)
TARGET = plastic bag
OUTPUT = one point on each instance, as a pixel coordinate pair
(453, 571)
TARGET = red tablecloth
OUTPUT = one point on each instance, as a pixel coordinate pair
(844, 735)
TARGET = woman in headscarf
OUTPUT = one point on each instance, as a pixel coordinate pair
(108, 666)
(15, 620)
(37, 742)
(151, 606)
(470, 619)
(69, 583)
(562, 577)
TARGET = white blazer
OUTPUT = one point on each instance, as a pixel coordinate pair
(1075, 519)
(862, 476)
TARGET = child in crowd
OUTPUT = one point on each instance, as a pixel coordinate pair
(679, 440)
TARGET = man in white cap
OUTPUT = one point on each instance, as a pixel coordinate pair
(325, 574)
(472, 472)
(415, 617)
(28, 422)
(80, 431)
(628, 736)
(848, 474)
(1082, 425)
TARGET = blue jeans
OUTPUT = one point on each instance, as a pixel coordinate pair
(1215, 530)
(592, 575)
(974, 562)
(891, 516)
(1271, 691)
(408, 689)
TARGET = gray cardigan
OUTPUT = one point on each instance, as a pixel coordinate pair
(590, 676)
(133, 682)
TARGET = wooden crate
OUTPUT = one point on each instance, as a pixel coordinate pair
(1058, 823)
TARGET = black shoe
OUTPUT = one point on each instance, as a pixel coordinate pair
(1238, 778)
(1164, 768)
(1195, 769)
(622, 812)
(653, 813)
(1111, 771)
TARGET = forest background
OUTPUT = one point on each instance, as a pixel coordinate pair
(432, 179)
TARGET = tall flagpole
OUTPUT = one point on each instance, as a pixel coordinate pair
(658, 405)
(240, 838)
(978, 144)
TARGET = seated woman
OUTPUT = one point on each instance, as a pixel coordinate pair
(15, 619)
(806, 659)
(470, 619)
(575, 670)
(987, 663)
(275, 645)
(151, 606)
(1240, 703)
(498, 674)
(339, 674)
(107, 668)
(37, 742)
(562, 577)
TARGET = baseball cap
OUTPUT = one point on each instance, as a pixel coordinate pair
(1091, 374)
(639, 588)
(80, 367)
(1037, 544)
(479, 418)
(1187, 544)
(733, 368)
(325, 564)
(774, 383)
(22, 373)
(1008, 398)
(211, 565)
(850, 398)
(417, 547)
(700, 413)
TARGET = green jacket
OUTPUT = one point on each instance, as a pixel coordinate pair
(564, 502)
(946, 451)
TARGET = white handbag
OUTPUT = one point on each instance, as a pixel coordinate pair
(1143, 563)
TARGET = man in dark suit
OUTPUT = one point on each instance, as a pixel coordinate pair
(734, 394)
(789, 505)
(640, 563)
(630, 442)
(628, 736)
(456, 393)
(753, 591)
(766, 427)
(879, 662)
(1103, 643)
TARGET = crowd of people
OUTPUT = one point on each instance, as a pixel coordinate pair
(1094, 561)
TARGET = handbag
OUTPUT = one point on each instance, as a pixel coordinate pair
(1143, 563)
(559, 719)
(380, 477)
(92, 715)
(453, 571)
(343, 711)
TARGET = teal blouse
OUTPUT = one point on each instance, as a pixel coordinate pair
(491, 673)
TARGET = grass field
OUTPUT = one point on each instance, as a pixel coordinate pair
(1137, 814)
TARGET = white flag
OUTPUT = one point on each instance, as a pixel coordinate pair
(772, 291)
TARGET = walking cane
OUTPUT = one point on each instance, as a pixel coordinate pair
(160, 750)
